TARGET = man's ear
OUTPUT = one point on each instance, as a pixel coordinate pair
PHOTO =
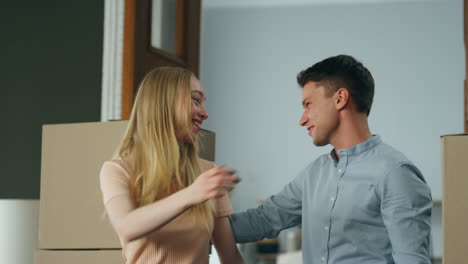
(342, 98)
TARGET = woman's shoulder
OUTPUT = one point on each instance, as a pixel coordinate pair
(117, 164)
(206, 164)
(114, 180)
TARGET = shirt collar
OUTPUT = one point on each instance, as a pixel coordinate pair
(359, 148)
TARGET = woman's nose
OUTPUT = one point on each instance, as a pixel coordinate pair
(204, 113)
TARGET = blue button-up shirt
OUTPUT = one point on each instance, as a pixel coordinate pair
(372, 206)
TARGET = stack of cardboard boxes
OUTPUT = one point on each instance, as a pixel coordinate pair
(73, 227)
(455, 197)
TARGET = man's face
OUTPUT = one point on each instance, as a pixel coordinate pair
(320, 115)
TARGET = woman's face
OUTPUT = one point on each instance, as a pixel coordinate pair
(198, 111)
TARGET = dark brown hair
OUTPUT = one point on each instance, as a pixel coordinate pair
(342, 71)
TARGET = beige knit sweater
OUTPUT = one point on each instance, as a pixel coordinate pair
(183, 240)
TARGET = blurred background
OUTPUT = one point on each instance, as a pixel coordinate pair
(66, 62)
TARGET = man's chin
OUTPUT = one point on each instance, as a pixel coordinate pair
(319, 143)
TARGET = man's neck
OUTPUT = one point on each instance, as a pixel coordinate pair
(351, 132)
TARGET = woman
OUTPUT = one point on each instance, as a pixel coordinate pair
(164, 202)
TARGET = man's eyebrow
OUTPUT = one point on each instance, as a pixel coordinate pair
(200, 93)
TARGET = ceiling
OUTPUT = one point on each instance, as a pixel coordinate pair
(271, 3)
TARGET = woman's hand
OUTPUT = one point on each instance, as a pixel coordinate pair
(212, 184)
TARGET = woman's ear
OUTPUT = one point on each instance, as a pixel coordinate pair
(342, 98)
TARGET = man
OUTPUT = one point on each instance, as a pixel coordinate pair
(365, 202)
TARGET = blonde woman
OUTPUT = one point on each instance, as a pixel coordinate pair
(164, 202)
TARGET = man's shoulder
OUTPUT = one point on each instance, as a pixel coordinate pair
(389, 152)
(388, 157)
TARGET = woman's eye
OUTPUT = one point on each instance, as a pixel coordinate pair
(196, 100)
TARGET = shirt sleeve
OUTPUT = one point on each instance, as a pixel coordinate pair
(278, 212)
(114, 180)
(406, 206)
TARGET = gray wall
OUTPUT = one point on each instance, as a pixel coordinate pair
(51, 58)
(250, 57)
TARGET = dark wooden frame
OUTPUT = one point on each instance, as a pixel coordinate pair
(140, 57)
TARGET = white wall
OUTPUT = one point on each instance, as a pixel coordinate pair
(250, 58)
(18, 230)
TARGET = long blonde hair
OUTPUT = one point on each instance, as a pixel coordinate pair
(160, 163)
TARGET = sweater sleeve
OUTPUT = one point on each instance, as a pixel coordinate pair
(222, 205)
(114, 180)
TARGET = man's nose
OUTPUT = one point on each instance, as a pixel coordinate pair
(303, 120)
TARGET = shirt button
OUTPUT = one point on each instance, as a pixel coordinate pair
(322, 258)
(326, 228)
(340, 171)
(332, 199)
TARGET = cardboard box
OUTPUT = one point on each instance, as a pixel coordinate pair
(79, 257)
(455, 195)
(71, 210)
